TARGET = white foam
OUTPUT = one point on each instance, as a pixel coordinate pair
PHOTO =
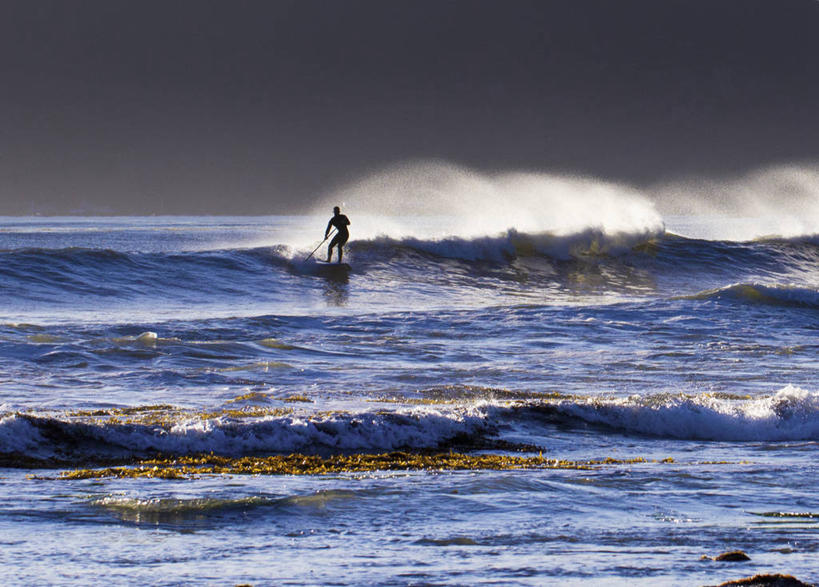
(408, 428)
(790, 414)
(418, 428)
(17, 435)
(147, 338)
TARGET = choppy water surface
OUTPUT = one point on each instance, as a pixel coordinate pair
(123, 338)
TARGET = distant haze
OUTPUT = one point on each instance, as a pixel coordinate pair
(263, 107)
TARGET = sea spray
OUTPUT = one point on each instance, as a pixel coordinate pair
(468, 203)
(775, 201)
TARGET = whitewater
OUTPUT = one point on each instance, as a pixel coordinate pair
(669, 359)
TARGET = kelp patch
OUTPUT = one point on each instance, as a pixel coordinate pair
(300, 464)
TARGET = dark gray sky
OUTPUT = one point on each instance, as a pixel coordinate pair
(196, 106)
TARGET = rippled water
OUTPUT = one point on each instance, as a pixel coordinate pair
(121, 338)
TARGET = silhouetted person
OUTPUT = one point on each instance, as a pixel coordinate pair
(341, 222)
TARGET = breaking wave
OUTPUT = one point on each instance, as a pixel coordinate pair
(510, 245)
(791, 414)
(63, 438)
(75, 277)
(788, 415)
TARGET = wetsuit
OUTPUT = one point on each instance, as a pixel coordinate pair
(340, 222)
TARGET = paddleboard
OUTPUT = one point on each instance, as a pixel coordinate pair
(340, 266)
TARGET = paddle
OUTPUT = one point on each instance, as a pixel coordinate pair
(321, 243)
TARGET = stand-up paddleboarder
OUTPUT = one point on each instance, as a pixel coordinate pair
(340, 222)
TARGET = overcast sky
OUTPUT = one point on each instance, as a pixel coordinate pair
(237, 106)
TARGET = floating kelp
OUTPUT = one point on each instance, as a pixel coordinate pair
(767, 580)
(126, 411)
(246, 412)
(253, 396)
(295, 398)
(163, 415)
(300, 464)
(805, 515)
(447, 393)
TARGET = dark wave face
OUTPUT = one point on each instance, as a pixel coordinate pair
(69, 276)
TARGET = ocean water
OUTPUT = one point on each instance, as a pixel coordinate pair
(686, 358)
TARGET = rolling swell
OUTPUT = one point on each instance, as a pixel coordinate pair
(63, 275)
(591, 260)
(768, 295)
(83, 275)
(662, 254)
(797, 257)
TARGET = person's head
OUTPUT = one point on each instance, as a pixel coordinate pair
(336, 211)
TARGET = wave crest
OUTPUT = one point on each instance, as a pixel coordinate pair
(63, 438)
(790, 414)
(511, 245)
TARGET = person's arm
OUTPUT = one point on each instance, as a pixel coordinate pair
(329, 226)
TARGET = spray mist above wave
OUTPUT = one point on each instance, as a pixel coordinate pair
(781, 201)
(430, 200)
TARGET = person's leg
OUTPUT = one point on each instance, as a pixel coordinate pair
(333, 243)
(341, 243)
